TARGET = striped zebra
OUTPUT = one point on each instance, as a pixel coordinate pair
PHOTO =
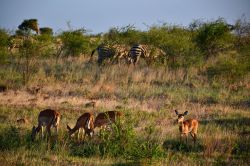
(114, 53)
(148, 53)
(121, 53)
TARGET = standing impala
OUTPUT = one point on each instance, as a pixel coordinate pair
(187, 126)
(47, 118)
(84, 122)
(106, 118)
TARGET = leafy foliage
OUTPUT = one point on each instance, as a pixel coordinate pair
(74, 43)
(46, 31)
(27, 25)
(213, 37)
(4, 43)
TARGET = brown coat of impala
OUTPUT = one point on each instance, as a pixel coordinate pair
(47, 118)
(187, 126)
(85, 122)
(106, 118)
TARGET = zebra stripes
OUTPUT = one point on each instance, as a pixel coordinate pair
(148, 53)
(114, 53)
(136, 52)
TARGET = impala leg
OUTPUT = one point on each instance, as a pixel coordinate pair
(82, 134)
(78, 134)
(193, 136)
(48, 131)
(42, 130)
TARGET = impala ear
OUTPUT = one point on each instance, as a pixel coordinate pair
(185, 113)
(177, 113)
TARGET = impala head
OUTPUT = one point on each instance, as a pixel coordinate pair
(90, 132)
(33, 134)
(180, 118)
(70, 131)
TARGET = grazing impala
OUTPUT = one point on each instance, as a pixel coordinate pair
(106, 118)
(85, 122)
(47, 118)
(187, 126)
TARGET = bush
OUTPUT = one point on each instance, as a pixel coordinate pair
(214, 37)
(4, 42)
(74, 42)
(125, 35)
(177, 43)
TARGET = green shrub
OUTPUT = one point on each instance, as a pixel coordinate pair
(4, 42)
(74, 42)
(177, 43)
(214, 37)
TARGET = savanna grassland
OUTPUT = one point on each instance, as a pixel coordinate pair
(205, 71)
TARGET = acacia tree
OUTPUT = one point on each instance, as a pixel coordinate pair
(28, 47)
(28, 51)
(28, 25)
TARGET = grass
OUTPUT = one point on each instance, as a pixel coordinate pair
(147, 135)
(221, 139)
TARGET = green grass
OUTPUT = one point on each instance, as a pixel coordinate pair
(224, 139)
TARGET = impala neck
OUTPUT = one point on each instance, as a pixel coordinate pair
(180, 123)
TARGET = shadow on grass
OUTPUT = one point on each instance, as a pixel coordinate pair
(241, 104)
(128, 163)
(237, 124)
(177, 145)
(11, 138)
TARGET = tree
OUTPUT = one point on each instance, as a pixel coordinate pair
(27, 25)
(242, 31)
(46, 31)
(29, 50)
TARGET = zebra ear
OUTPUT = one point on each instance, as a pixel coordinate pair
(185, 113)
(177, 113)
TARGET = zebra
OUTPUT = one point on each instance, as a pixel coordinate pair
(137, 51)
(147, 52)
(121, 52)
(112, 52)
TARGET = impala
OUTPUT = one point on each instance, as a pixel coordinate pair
(84, 122)
(187, 126)
(47, 118)
(106, 118)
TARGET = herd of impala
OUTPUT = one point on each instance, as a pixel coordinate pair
(87, 123)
